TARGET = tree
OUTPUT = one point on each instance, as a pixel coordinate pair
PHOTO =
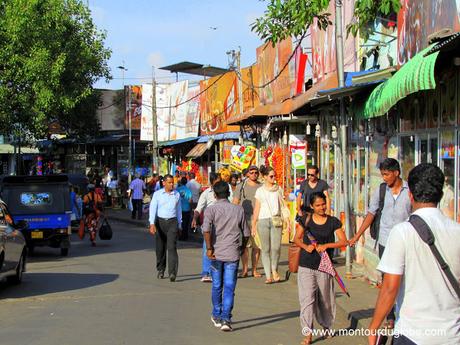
(51, 54)
(285, 18)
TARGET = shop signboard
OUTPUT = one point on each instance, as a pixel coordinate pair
(297, 146)
(242, 157)
(146, 115)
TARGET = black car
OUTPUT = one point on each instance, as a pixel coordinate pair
(13, 250)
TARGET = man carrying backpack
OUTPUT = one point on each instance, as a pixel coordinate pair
(389, 205)
(422, 268)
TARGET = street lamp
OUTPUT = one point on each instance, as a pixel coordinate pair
(123, 69)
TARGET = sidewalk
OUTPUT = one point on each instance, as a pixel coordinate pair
(359, 307)
(124, 216)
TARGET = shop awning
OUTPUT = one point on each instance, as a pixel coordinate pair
(197, 151)
(414, 76)
(175, 142)
(7, 149)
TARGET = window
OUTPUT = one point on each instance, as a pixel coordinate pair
(36, 199)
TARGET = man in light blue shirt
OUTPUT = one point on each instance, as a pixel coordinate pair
(165, 218)
(136, 193)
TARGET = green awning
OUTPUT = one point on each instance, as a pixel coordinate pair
(414, 76)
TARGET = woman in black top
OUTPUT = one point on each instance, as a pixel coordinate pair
(316, 288)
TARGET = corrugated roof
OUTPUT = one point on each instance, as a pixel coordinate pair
(195, 69)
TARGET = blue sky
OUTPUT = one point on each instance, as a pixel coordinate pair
(161, 32)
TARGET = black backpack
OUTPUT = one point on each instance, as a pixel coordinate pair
(375, 226)
(89, 207)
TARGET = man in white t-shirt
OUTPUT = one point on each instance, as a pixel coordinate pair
(427, 307)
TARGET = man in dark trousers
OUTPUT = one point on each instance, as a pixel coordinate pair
(136, 193)
(311, 184)
(165, 221)
(226, 233)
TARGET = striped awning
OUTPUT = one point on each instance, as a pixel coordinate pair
(414, 76)
(197, 151)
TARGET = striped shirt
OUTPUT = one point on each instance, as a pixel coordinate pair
(137, 186)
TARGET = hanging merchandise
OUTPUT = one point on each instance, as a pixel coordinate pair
(242, 157)
(278, 164)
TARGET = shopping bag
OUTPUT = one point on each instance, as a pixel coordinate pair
(130, 204)
(105, 231)
(293, 257)
(81, 230)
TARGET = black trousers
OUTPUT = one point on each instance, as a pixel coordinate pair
(137, 208)
(186, 220)
(391, 314)
(166, 240)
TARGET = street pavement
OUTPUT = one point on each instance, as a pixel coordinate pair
(109, 294)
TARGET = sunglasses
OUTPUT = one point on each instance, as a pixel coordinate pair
(312, 175)
(253, 173)
(271, 176)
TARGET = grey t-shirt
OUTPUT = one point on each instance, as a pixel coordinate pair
(226, 223)
(246, 194)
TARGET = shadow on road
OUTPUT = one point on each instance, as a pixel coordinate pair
(37, 284)
(264, 320)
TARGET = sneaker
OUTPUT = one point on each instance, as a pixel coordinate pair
(206, 279)
(216, 322)
(226, 326)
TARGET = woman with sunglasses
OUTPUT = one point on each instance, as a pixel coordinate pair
(315, 233)
(268, 224)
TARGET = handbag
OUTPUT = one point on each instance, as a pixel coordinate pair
(277, 220)
(294, 253)
(105, 231)
(81, 229)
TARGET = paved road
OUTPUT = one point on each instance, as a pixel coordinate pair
(110, 295)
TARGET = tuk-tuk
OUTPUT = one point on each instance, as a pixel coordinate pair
(44, 202)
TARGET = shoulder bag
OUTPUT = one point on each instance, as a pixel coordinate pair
(277, 220)
(427, 236)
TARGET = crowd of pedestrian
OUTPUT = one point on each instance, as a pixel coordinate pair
(243, 218)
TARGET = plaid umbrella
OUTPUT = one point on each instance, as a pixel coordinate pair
(326, 266)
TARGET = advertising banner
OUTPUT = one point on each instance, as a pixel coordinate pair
(146, 116)
(134, 102)
(177, 96)
(270, 62)
(218, 103)
(242, 157)
(418, 19)
(162, 112)
(192, 118)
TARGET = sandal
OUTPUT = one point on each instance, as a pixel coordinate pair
(269, 281)
(307, 340)
(390, 324)
(276, 278)
(243, 275)
(256, 274)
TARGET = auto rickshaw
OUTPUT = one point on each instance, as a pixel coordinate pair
(44, 202)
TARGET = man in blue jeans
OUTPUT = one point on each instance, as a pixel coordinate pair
(226, 233)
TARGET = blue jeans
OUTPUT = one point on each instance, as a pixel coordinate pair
(224, 275)
(206, 264)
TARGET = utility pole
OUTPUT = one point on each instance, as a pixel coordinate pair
(343, 130)
(240, 83)
(130, 136)
(154, 124)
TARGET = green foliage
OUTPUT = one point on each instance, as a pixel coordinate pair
(285, 18)
(51, 54)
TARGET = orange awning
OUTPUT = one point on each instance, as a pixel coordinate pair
(288, 106)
